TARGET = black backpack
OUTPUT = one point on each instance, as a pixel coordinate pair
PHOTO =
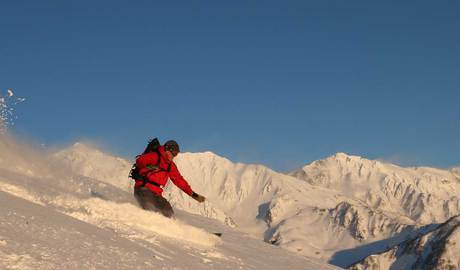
(152, 146)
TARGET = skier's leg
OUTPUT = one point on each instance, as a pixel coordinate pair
(140, 193)
(152, 202)
(163, 205)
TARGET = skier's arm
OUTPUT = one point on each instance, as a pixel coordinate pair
(180, 182)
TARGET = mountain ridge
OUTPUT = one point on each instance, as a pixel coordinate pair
(347, 201)
(53, 217)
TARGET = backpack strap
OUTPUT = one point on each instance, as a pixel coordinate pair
(159, 160)
(145, 181)
(156, 168)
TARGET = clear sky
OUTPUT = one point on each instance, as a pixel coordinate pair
(279, 83)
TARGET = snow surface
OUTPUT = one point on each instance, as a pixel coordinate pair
(54, 218)
(339, 210)
(435, 248)
(422, 194)
(342, 209)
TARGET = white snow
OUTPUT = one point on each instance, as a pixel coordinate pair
(406, 191)
(7, 107)
(435, 248)
(340, 209)
(85, 160)
(54, 218)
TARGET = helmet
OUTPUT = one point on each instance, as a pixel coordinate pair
(172, 146)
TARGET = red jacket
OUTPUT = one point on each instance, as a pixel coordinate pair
(159, 174)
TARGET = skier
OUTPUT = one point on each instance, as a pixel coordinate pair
(151, 172)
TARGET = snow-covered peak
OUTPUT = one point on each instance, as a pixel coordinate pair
(345, 200)
(344, 157)
(346, 160)
(203, 158)
(424, 194)
(235, 187)
(81, 148)
(92, 162)
(329, 171)
(212, 158)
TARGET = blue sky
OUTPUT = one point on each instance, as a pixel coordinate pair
(279, 83)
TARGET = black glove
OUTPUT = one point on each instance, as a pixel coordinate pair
(198, 197)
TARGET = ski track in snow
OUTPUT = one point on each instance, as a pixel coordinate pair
(64, 236)
(126, 218)
(19, 192)
(133, 222)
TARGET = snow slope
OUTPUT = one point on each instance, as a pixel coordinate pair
(52, 218)
(85, 160)
(417, 196)
(257, 201)
(423, 194)
(340, 209)
(437, 248)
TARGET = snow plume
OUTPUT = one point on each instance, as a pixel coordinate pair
(131, 221)
(84, 198)
(7, 107)
(24, 158)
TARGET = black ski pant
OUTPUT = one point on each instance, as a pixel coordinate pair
(153, 202)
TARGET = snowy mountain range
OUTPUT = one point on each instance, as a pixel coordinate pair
(52, 217)
(345, 210)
